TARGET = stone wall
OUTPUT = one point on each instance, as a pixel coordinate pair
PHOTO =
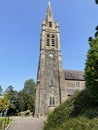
(69, 87)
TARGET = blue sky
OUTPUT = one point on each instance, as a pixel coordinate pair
(20, 27)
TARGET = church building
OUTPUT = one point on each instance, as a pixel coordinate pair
(54, 85)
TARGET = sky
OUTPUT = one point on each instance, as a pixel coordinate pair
(20, 28)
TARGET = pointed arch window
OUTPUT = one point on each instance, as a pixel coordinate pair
(48, 39)
(50, 24)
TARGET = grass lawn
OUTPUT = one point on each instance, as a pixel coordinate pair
(4, 121)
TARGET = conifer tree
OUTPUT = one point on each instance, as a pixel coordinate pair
(91, 68)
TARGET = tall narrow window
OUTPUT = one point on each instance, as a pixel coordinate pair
(51, 81)
(77, 84)
(53, 36)
(53, 40)
(50, 24)
(48, 40)
(52, 101)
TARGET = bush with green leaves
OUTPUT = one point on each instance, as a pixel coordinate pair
(79, 112)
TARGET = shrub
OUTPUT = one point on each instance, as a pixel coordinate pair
(79, 112)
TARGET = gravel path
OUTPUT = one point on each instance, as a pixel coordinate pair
(26, 123)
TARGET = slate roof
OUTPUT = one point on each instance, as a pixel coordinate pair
(74, 75)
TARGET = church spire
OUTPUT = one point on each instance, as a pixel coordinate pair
(49, 15)
(49, 2)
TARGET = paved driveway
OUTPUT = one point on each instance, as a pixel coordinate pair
(26, 123)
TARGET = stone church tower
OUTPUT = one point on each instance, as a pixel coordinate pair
(48, 90)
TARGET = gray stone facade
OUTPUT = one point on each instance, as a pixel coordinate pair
(72, 81)
(54, 85)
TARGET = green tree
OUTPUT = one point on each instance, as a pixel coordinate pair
(26, 96)
(12, 97)
(1, 90)
(96, 1)
(91, 68)
(4, 102)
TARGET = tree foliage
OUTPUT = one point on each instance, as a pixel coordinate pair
(79, 112)
(1, 90)
(11, 93)
(91, 68)
(4, 102)
(24, 99)
(96, 1)
(18, 101)
(12, 97)
(26, 96)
